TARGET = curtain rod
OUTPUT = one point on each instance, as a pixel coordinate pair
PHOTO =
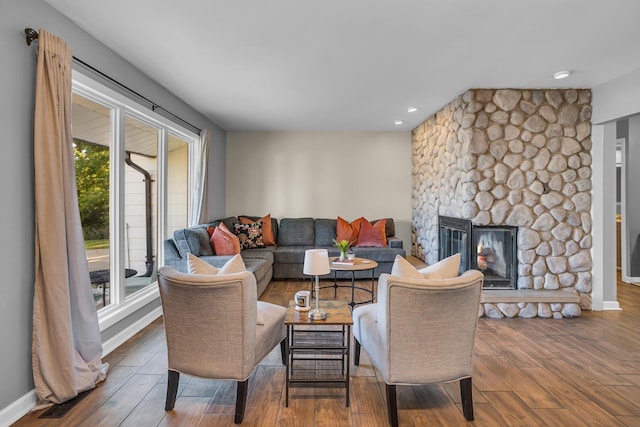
(32, 35)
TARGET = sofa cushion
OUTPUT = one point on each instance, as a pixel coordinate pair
(223, 241)
(228, 221)
(372, 234)
(193, 240)
(378, 254)
(250, 235)
(296, 232)
(290, 255)
(347, 231)
(325, 231)
(267, 229)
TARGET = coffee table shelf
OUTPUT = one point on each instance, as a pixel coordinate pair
(318, 350)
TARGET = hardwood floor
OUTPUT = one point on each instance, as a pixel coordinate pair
(527, 372)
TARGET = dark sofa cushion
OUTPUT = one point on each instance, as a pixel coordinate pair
(290, 255)
(194, 240)
(325, 231)
(228, 221)
(296, 232)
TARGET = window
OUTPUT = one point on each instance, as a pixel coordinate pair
(133, 173)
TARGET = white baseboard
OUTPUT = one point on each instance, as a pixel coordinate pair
(611, 305)
(23, 405)
(120, 338)
(18, 409)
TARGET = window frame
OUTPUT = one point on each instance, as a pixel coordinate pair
(122, 106)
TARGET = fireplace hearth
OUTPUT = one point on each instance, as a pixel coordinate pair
(489, 249)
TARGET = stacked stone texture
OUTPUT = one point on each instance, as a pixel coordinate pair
(512, 157)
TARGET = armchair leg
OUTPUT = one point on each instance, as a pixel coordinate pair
(172, 390)
(241, 400)
(356, 354)
(467, 398)
(392, 405)
(283, 351)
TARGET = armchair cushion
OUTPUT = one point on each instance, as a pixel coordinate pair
(197, 266)
(447, 268)
(444, 269)
(403, 268)
(235, 265)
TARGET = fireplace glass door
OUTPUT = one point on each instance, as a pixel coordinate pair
(494, 253)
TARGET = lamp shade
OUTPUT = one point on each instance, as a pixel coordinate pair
(316, 261)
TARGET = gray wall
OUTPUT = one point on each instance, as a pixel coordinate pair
(631, 216)
(17, 71)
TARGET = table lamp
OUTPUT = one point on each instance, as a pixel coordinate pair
(316, 262)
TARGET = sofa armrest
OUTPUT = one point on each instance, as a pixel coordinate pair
(170, 250)
(394, 242)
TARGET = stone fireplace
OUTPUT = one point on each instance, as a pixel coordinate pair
(515, 158)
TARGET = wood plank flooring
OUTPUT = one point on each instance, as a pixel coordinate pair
(527, 372)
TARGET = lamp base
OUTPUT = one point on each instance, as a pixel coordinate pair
(317, 314)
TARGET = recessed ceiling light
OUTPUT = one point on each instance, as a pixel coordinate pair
(398, 122)
(412, 109)
(561, 74)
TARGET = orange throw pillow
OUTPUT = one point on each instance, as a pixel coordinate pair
(346, 231)
(223, 241)
(372, 235)
(267, 230)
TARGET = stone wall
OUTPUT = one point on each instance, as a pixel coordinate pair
(511, 157)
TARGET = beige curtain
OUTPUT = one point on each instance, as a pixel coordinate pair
(66, 347)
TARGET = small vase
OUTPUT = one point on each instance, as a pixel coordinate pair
(343, 256)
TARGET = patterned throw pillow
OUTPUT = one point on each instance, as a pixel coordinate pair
(250, 235)
(267, 228)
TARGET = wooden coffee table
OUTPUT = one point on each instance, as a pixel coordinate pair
(361, 264)
(318, 350)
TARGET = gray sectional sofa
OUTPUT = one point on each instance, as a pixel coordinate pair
(284, 261)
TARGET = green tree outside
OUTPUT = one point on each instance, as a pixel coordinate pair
(92, 180)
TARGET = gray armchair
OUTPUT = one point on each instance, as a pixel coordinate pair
(210, 325)
(421, 331)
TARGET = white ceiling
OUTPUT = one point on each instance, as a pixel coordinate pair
(316, 65)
